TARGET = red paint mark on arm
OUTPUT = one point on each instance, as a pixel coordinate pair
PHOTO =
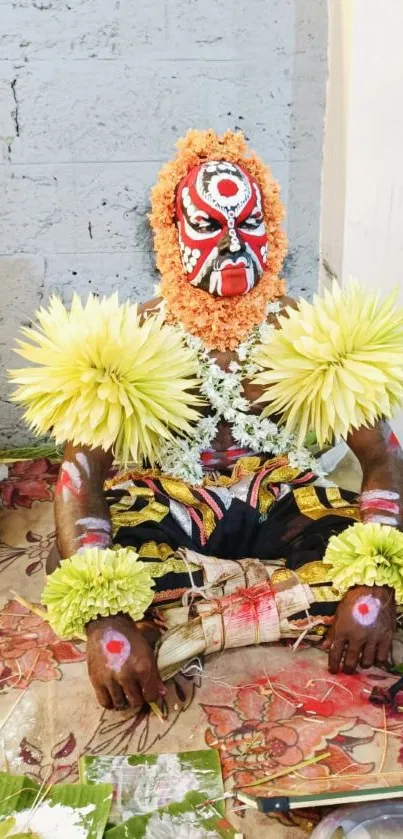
(393, 441)
(95, 540)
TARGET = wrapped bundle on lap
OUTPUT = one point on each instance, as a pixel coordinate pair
(249, 615)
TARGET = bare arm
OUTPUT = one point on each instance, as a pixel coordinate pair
(81, 512)
(121, 663)
(362, 632)
(381, 460)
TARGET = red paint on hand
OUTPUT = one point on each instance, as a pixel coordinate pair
(115, 647)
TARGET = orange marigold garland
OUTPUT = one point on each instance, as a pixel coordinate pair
(222, 323)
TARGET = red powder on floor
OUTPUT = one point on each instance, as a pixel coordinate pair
(315, 706)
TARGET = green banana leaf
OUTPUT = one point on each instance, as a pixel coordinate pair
(18, 793)
(143, 783)
(166, 821)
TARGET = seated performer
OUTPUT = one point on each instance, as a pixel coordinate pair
(242, 487)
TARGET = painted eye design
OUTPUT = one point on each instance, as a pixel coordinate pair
(251, 223)
(205, 225)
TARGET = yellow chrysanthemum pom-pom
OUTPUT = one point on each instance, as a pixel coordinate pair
(96, 583)
(367, 555)
(334, 365)
(104, 378)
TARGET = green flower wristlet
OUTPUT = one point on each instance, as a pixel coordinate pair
(367, 555)
(96, 583)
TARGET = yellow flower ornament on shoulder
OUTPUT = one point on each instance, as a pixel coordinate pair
(334, 364)
(102, 376)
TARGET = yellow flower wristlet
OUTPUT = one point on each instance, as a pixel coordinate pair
(96, 583)
(367, 555)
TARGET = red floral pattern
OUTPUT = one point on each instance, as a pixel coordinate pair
(28, 481)
(265, 730)
(29, 649)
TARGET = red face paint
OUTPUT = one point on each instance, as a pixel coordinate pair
(222, 233)
(363, 608)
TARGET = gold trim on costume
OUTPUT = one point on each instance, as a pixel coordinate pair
(154, 511)
(284, 474)
(309, 504)
(179, 491)
(266, 499)
(325, 594)
(141, 492)
(156, 550)
(314, 572)
(282, 575)
(334, 497)
(176, 566)
(307, 501)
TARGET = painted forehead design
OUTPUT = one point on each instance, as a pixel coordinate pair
(224, 186)
(220, 186)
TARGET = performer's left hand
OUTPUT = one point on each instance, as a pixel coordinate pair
(363, 627)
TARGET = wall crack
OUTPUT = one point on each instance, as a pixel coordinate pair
(15, 113)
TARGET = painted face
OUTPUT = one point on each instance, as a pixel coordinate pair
(222, 234)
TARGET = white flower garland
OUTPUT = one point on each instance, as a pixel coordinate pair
(224, 391)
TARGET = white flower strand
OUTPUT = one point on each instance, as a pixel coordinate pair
(224, 391)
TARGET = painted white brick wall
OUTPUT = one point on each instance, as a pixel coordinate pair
(93, 95)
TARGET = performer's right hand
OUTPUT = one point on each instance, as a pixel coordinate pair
(121, 664)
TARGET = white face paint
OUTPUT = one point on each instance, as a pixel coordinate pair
(366, 610)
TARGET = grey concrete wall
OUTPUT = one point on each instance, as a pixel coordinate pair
(93, 95)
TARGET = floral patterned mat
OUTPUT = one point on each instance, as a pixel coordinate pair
(254, 705)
